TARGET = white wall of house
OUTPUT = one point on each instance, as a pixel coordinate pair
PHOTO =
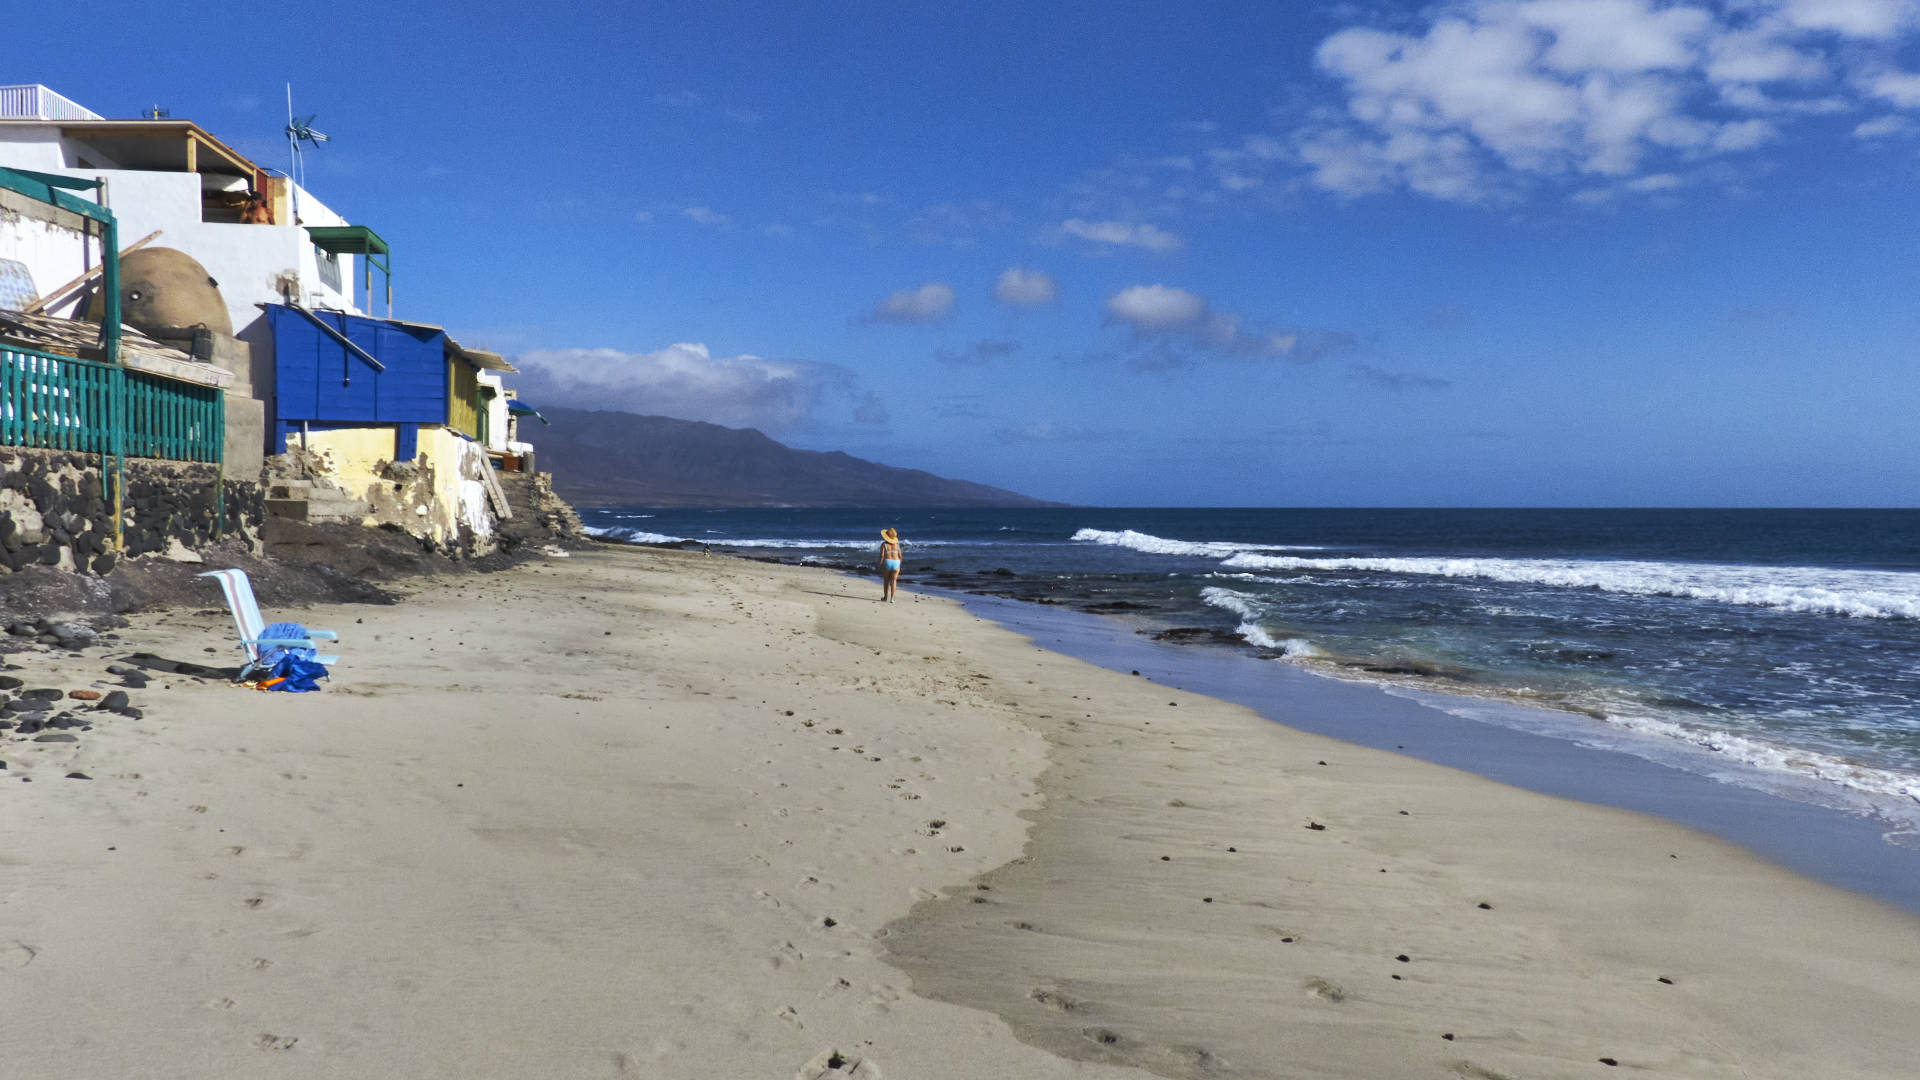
(249, 261)
(48, 242)
(252, 263)
(496, 411)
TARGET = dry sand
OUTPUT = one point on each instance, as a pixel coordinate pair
(669, 815)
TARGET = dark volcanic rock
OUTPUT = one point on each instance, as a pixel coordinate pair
(1198, 635)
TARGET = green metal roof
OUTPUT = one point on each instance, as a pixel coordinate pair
(347, 239)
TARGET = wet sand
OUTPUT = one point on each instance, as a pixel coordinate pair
(663, 814)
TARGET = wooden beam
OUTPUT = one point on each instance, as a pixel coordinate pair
(56, 295)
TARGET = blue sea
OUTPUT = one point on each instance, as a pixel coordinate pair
(1771, 649)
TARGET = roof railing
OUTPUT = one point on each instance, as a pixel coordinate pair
(35, 102)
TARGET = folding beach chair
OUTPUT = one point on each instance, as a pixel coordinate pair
(247, 620)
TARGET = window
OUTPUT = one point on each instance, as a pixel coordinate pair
(329, 268)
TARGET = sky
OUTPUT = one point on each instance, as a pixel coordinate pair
(1473, 253)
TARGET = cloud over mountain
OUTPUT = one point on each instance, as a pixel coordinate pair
(687, 381)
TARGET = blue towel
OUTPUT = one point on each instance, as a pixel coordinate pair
(294, 665)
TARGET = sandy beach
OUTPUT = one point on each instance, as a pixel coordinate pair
(660, 814)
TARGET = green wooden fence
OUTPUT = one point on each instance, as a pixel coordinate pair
(60, 403)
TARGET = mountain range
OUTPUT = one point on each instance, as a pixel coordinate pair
(622, 459)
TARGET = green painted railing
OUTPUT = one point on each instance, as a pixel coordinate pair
(60, 403)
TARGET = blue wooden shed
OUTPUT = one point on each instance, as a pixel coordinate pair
(335, 370)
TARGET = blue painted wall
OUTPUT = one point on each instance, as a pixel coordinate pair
(318, 380)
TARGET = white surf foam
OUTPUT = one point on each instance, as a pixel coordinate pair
(843, 545)
(633, 536)
(641, 536)
(1160, 545)
(1866, 594)
(1892, 795)
(1250, 629)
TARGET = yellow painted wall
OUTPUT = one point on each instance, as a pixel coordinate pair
(462, 387)
(447, 453)
(353, 458)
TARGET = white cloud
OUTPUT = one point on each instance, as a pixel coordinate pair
(1744, 135)
(1022, 287)
(1169, 314)
(1621, 36)
(1152, 309)
(1881, 127)
(685, 381)
(644, 217)
(1851, 18)
(1122, 234)
(1758, 56)
(1488, 98)
(706, 215)
(1656, 182)
(1899, 87)
(928, 303)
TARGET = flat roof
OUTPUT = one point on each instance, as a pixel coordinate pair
(347, 239)
(152, 145)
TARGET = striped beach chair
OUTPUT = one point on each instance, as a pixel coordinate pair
(249, 624)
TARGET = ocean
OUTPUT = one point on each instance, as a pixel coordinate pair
(1777, 650)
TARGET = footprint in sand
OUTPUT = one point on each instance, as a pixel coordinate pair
(1053, 999)
(831, 1064)
(1324, 990)
(16, 955)
(275, 1042)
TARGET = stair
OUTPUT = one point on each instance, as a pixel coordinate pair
(538, 517)
(314, 502)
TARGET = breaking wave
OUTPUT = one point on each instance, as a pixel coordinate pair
(1250, 629)
(1863, 594)
(1159, 545)
(633, 536)
(641, 536)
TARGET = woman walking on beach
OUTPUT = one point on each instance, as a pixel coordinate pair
(889, 564)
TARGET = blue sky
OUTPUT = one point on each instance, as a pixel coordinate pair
(1492, 252)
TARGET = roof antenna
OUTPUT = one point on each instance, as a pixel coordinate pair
(299, 130)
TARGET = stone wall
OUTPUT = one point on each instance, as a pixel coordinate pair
(54, 509)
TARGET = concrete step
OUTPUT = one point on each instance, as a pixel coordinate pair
(318, 510)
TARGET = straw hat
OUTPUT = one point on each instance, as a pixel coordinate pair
(889, 536)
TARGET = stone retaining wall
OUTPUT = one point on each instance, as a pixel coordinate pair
(54, 509)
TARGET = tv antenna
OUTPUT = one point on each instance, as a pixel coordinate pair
(300, 130)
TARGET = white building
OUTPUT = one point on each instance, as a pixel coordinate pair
(170, 177)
